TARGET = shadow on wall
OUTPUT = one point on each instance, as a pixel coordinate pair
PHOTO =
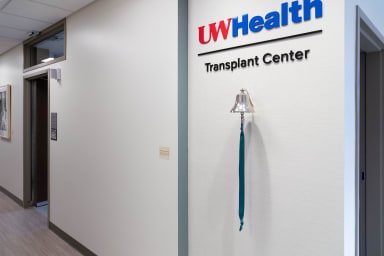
(222, 201)
(258, 189)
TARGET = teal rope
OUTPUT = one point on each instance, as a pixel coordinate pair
(241, 178)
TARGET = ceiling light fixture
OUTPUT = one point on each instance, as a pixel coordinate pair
(47, 59)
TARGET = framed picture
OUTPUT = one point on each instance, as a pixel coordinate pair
(5, 112)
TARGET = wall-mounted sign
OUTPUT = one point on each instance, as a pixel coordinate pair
(293, 11)
(255, 24)
(54, 126)
(266, 59)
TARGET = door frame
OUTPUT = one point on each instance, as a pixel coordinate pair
(27, 137)
(364, 29)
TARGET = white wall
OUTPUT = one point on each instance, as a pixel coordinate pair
(294, 141)
(373, 9)
(11, 151)
(110, 191)
(116, 104)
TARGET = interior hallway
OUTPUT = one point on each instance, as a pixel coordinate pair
(25, 232)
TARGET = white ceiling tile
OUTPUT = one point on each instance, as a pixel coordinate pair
(3, 3)
(13, 33)
(19, 17)
(34, 10)
(6, 44)
(17, 22)
(71, 5)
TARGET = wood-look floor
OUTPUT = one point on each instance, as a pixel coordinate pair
(24, 232)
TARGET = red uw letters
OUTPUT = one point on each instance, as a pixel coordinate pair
(214, 32)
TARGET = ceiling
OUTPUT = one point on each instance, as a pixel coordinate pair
(18, 18)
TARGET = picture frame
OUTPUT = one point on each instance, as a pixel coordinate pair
(5, 112)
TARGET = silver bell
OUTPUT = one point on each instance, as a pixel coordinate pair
(243, 103)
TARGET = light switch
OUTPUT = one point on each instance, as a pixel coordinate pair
(164, 153)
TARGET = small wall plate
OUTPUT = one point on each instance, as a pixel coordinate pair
(164, 153)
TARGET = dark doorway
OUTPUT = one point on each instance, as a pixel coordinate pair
(36, 141)
(39, 141)
(371, 142)
(363, 174)
(371, 154)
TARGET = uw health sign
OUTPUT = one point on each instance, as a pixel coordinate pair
(295, 12)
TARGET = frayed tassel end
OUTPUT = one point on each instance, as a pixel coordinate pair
(241, 225)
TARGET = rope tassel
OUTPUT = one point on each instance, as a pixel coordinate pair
(243, 105)
(241, 178)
